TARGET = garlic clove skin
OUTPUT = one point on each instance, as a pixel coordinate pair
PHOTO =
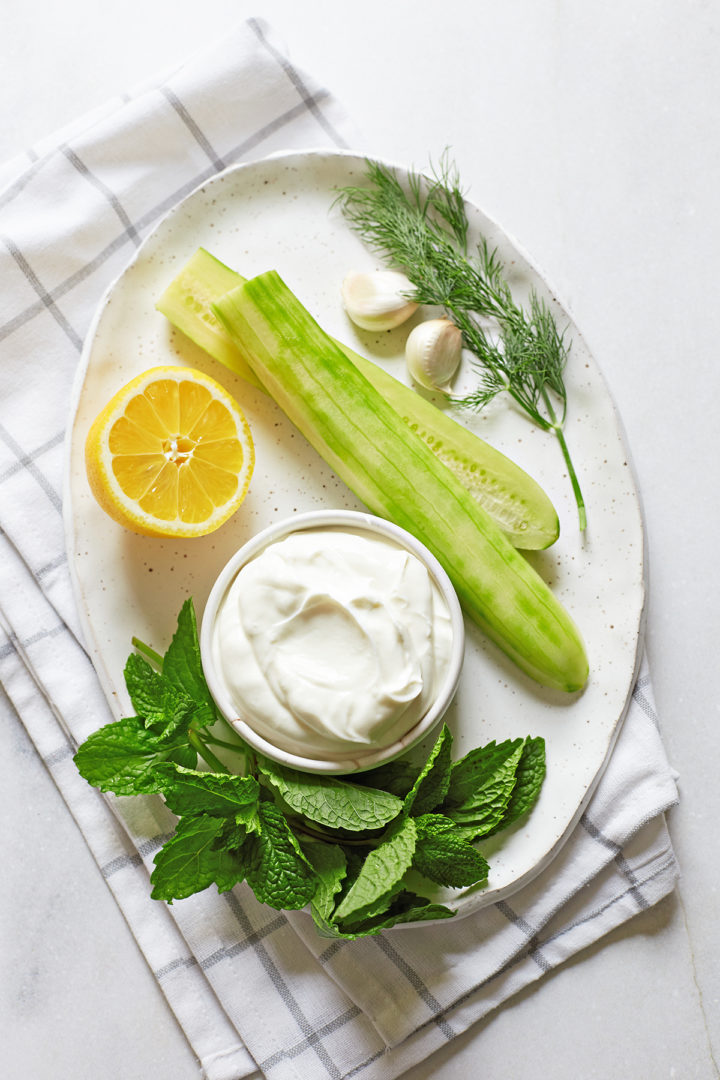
(432, 353)
(374, 300)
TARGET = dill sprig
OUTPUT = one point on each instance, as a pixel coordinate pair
(422, 228)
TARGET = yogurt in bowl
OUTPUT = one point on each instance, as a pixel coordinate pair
(333, 641)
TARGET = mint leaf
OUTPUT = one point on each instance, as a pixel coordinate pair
(329, 801)
(189, 791)
(445, 856)
(431, 785)
(381, 875)
(397, 777)
(405, 908)
(121, 757)
(471, 772)
(235, 830)
(155, 699)
(330, 864)
(190, 861)
(484, 806)
(418, 911)
(529, 777)
(182, 666)
(276, 869)
(146, 688)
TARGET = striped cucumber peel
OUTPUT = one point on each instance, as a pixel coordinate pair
(351, 425)
(187, 303)
(516, 502)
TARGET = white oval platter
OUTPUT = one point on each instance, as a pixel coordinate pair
(278, 213)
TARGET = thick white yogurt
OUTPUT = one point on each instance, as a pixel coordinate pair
(332, 641)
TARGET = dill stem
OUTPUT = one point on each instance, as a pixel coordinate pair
(582, 513)
(556, 427)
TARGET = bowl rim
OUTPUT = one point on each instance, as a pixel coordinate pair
(359, 521)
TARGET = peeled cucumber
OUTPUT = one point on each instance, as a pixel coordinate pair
(517, 503)
(396, 475)
(187, 303)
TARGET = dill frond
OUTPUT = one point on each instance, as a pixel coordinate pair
(422, 228)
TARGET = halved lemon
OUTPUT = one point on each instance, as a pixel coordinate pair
(171, 454)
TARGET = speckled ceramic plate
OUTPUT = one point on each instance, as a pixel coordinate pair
(278, 213)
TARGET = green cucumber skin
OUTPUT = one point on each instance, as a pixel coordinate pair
(516, 502)
(187, 303)
(397, 476)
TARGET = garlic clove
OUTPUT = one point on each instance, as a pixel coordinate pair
(432, 353)
(374, 300)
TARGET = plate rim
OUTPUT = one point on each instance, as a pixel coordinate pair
(470, 902)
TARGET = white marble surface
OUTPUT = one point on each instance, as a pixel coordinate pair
(590, 133)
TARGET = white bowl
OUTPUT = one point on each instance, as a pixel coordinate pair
(357, 521)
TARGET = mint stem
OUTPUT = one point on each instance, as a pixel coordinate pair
(148, 652)
(206, 753)
(238, 747)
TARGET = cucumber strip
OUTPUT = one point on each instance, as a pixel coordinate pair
(516, 502)
(397, 476)
(187, 303)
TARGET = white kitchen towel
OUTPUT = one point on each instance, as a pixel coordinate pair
(255, 990)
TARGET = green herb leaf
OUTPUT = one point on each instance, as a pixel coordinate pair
(182, 666)
(146, 688)
(121, 757)
(397, 777)
(334, 803)
(381, 875)
(492, 772)
(189, 791)
(416, 911)
(155, 699)
(190, 861)
(405, 908)
(277, 870)
(330, 864)
(235, 831)
(432, 782)
(472, 772)
(445, 856)
(529, 777)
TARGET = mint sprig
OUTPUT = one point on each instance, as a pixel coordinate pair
(347, 848)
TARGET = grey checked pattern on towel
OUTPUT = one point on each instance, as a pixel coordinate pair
(256, 991)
